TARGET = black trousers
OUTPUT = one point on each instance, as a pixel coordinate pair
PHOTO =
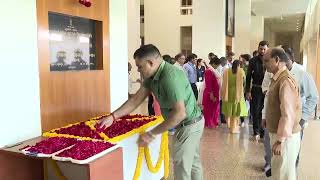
(195, 90)
(256, 106)
(302, 124)
(150, 105)
(222, 117)
(242, 119)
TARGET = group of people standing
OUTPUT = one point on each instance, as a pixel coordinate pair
(281, 93)
(221, 89)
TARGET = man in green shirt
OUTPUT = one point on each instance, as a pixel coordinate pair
(178, 106)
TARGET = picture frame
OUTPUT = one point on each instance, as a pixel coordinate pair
(230, 17)
(73, 43)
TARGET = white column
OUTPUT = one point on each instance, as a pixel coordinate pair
(118, 52)
(134, 40)
(257, 31)
(208, 30)
(19, 75)
(241, 42)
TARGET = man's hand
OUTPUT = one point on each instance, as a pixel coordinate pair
(248, 96)
(145, 139)
(106, 122)
(264, 123)
(276, 148)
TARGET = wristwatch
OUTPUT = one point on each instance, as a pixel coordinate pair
(278, 142)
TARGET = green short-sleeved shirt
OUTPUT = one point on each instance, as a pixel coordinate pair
(171, 85)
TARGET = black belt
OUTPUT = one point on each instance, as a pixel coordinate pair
(256, 85)
(187, 123)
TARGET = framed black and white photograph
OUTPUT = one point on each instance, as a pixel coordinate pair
(230, 11)
(72, 43)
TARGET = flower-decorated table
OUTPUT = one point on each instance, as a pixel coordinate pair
(84, 151)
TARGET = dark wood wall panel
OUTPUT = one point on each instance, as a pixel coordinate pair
(68, 97)
(16, 167)
(229, 43)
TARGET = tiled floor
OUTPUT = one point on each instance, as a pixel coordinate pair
(226, 156)
(229, 157)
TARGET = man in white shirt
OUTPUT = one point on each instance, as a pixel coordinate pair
(223, 66)
(267, 147)
(180, 60)
(230, 58)
(130, 81)
(131, 89)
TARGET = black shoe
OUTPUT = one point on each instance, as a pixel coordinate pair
(268, 173)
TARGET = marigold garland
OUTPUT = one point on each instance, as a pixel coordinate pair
(53, 134)
(91, 124)
(136, 131)
(166, 161)
(163, 156)
(151, 168)
(137, 171)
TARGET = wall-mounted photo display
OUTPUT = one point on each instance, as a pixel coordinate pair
(230, 20)
(74, 43)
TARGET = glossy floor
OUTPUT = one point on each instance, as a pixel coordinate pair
(229, 157)
(232, 157)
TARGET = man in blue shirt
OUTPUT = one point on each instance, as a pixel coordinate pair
(190, 69)
(308, 89)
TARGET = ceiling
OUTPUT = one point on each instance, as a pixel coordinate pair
(285, 23)
(274, 8)
(281, 15)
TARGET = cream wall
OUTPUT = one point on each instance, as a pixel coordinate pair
(241, 41)
(208, 33)
(311, 29)
(257, 32)
(269, 35)
(309, 42)
(20, 98)
(19, 75)
(162, 25)
(312, 58)
(292, 39)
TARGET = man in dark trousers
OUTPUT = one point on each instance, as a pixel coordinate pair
(253, 91)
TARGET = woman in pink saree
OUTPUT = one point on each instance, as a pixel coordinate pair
(211, 94)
